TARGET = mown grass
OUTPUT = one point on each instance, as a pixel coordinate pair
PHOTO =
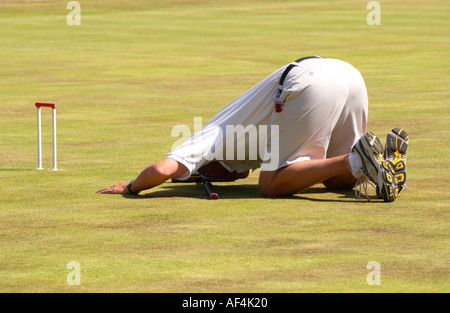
(133, 70)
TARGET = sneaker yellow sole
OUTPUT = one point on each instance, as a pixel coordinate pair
(395, 152)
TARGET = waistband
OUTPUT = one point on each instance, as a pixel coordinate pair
(292, 65)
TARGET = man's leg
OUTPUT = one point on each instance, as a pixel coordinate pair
(341, 182)
(215, 170)
(299, 176)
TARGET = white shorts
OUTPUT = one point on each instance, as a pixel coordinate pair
(324, 113)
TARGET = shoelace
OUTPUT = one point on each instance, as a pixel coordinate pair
(363, 181)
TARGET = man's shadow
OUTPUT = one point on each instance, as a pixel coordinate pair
(239, 191)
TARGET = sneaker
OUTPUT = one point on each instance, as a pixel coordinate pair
(374, 169)
(395, 154)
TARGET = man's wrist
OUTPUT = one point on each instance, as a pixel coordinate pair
(130, 191)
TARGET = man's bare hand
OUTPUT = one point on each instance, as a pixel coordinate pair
(119, 188)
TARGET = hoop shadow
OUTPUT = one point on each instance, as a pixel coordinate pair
(16, 169)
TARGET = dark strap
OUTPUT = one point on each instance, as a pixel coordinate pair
(291, 66)
(129, 188)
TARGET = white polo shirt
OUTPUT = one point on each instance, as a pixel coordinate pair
(324, 108)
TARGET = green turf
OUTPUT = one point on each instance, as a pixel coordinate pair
(133, 70)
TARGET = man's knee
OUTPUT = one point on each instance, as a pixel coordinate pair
(266, 185)
(265, 190)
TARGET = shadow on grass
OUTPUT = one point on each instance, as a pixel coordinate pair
(17, 169)
(198, 191)
(234, 191)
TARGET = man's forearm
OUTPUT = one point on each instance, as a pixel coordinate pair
(156, 174)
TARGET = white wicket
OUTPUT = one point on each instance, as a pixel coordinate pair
(53, 106)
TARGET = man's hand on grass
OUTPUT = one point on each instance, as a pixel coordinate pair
(119, 188)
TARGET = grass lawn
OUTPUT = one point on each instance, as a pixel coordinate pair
(133, 70)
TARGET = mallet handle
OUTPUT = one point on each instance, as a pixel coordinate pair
(209, 189)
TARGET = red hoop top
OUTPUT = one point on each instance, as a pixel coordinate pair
(43, 104)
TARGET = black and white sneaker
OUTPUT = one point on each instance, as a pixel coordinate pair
(374, 169)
